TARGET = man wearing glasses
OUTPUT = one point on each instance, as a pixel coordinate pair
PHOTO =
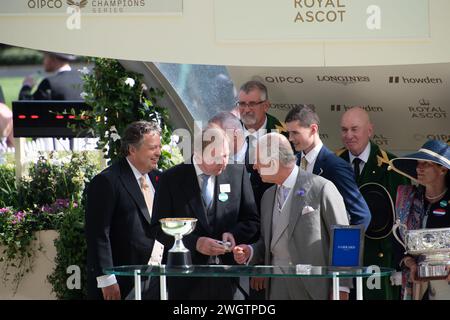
(253, 105)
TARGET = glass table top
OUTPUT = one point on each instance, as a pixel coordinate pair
(299, 271)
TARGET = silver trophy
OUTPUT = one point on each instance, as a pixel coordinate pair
(430, 246)
(179, 255)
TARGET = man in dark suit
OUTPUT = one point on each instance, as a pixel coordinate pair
(302, 123)
(63, 84)
(119, 210)
(221, 198)
(371, 165)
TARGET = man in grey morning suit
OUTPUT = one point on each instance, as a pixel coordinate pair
(296, 218)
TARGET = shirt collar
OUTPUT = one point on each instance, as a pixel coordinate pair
(64, 68)
(312, 155)
(291, 179)
(198, 171)
(261, 131)
(364, 156)
(136, 172)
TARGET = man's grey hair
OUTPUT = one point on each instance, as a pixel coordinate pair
(276, 146)
(227, 120)
(134, 135)
(209, 135)
(305, 114)
(254, 84)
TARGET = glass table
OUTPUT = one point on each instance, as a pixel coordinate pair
(294, 271)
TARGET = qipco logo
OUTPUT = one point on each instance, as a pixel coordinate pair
(41, 4)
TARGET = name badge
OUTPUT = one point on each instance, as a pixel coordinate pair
(157, 254)
(225, 188)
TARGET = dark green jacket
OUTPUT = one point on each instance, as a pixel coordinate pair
(376, 169)
(380, 252)
(274, 123)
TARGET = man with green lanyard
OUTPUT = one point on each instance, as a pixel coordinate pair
(378, 184)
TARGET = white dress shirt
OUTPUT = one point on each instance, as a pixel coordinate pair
(199, 172)
(260, 132)
(364, 156)
(311, 156)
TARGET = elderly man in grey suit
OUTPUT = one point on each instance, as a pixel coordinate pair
(296, 218)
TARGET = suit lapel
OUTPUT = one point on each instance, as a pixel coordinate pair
(268, 216)
(193, 193)
(300, 196)
(154, 177)
(282, 219)
(369, 171)
(130, 184)
(319, 160)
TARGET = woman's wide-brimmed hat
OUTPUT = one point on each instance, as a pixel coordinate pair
(433, 150)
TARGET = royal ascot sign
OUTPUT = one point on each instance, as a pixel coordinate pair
(92, 7)
(291, 20)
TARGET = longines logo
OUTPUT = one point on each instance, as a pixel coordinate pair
(284, 79)
(345, 80)
(343, 107)
(319, 11)
(425, 110)
(381, 140)
(414, 80)
(432, 136)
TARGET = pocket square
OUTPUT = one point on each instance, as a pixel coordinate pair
(307, 209)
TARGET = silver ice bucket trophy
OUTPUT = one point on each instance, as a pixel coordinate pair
(179, 255)
(430, 246)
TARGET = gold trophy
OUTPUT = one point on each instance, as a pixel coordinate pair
(179, 255)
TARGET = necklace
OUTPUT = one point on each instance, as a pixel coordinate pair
(436, 197)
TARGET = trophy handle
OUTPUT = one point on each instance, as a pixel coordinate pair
(399, 225)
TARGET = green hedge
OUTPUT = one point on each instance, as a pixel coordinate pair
(8, 188)
(13, 56)
(20, 56)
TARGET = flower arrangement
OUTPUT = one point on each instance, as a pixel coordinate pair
(52, 189)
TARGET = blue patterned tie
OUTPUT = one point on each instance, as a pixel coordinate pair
(207, 193)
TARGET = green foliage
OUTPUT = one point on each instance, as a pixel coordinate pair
(11, 87)
(8, 188)
(18, 56)
(71, 250)
(53, 190)
(119, 97)
(16, 236)
(50, 179)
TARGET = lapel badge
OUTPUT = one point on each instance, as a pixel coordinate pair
(223, 196)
